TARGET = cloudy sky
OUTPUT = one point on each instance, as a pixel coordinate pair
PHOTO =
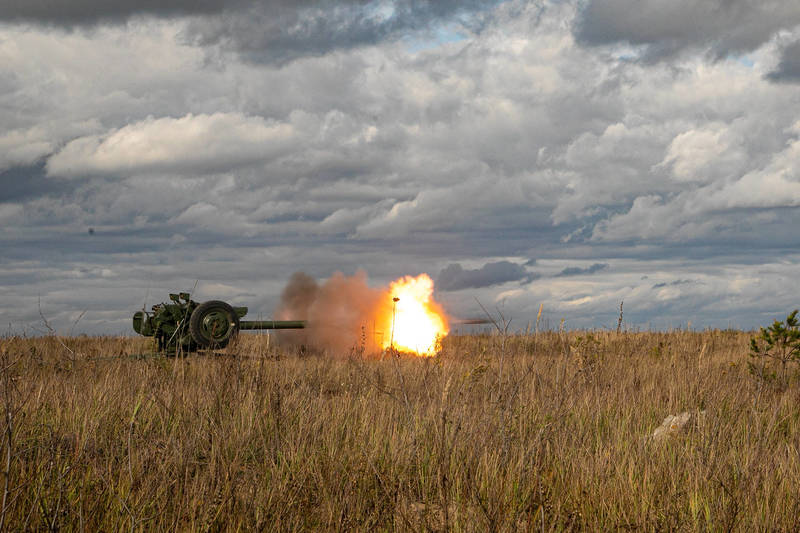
(567, 153)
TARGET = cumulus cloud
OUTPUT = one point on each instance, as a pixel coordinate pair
(698, 213)
(454, 277)
(356, 135)
(24, 147)
(702, 155)
(665, 28)
(193, 143)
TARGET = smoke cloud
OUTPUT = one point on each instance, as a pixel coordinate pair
(342, 314)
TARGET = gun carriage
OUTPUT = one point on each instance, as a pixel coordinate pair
(185, 325)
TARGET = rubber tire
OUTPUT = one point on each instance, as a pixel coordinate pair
(199, 330)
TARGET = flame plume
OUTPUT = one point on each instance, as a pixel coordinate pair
(345, 315)
(418, 322)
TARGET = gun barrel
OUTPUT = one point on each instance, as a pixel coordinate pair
(272, 324)
(470, 321)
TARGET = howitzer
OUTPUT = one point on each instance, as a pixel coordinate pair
(187, 325)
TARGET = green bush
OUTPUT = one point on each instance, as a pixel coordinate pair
(775, 346)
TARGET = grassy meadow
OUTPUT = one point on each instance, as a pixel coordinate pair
(539, 432)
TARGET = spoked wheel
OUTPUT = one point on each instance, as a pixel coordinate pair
(213, 324)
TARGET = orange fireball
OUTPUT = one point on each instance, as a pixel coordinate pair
(417, 321)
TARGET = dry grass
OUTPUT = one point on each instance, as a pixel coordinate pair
(522, 433)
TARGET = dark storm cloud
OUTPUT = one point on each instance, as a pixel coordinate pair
(270, 33)
(788, 68)
(673, 283)
(668, 27)
(74, 12)
(577, 271)
(454, 277)
(27, 182)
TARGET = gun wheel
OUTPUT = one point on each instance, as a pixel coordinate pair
(213, 324)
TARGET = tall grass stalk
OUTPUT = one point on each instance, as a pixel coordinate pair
(261, 439)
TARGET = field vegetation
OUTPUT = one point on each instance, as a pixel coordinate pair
(528, 432)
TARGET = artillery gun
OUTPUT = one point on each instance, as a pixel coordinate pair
(187, 325)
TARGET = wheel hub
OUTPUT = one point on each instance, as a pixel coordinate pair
(216, 324)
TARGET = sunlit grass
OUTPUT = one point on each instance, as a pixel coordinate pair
(259, 439)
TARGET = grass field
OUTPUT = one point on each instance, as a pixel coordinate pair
(497, 433)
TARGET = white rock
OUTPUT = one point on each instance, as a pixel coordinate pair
(674, 424)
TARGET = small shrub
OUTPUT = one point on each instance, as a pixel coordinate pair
(778, 344)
